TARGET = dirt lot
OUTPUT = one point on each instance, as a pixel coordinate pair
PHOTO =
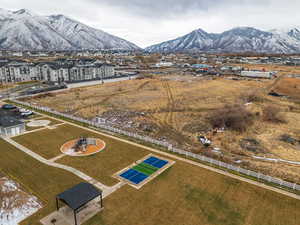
(175, 108)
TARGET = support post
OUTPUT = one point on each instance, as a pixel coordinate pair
(75, 219)
(57, 207)
(101, 201)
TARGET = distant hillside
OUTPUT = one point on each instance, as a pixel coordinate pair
(24, 30)
(241, 39)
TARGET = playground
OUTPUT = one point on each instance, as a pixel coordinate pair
(83, 146)
(180, 194)
(112, 155)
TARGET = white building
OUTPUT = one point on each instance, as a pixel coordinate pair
(164, 64)
(9, 126)
(54, 72)
(258, 74)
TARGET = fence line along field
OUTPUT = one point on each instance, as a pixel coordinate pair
(182, 194)
(179, 108)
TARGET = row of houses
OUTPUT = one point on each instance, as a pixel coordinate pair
(19, 71)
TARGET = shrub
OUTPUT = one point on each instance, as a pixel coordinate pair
(272, 114)
(289, 139)
(234, 117)
(251, 145)
(251, 96)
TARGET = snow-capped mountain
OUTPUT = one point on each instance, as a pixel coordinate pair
(197, 40)
(25, 30)
(240, 39)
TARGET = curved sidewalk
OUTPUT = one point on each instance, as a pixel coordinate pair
(106, 189)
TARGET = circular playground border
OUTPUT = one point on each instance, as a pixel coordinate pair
(91, 149)
(38, 123)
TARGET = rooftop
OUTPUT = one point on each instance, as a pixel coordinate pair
(9, 121)
(79, 195)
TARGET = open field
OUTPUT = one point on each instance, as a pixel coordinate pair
(175, 108)
(289, 87)
(160, 107)
(102, 166)
(183, 194)
(43, 181)
(188, 195)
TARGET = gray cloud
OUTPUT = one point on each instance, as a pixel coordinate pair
(147, 22)
(175, 8)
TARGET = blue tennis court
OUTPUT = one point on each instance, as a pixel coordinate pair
(138, 178)
(156, 162)
(134, 176)
(129, 173)
(140, 172)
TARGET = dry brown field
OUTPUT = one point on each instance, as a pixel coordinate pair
(175, 108)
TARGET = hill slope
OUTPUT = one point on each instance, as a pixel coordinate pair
(24, 30)
(240, 39)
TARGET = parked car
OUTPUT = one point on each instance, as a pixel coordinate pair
(204, 141)
(25, 112)
(8, 107)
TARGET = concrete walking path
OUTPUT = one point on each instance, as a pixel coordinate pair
(106, 189)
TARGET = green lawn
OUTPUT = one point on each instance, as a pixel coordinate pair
(188, 195)
(116, 156)
(32, 128)
(183, 194)
(43, 181)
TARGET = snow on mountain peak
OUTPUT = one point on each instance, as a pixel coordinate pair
(238, 39)
(25, 30)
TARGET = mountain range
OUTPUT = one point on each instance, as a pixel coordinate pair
(240, 39)
(25, 30)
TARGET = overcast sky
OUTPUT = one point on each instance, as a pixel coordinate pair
(147, 22)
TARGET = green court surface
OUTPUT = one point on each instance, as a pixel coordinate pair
(148, 166)
(145, 170)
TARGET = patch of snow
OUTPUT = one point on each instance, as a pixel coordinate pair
(16, 205)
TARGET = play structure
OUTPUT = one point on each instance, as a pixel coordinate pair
(83, 146)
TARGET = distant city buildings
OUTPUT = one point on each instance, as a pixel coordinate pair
(75, 66)
(57, 71)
